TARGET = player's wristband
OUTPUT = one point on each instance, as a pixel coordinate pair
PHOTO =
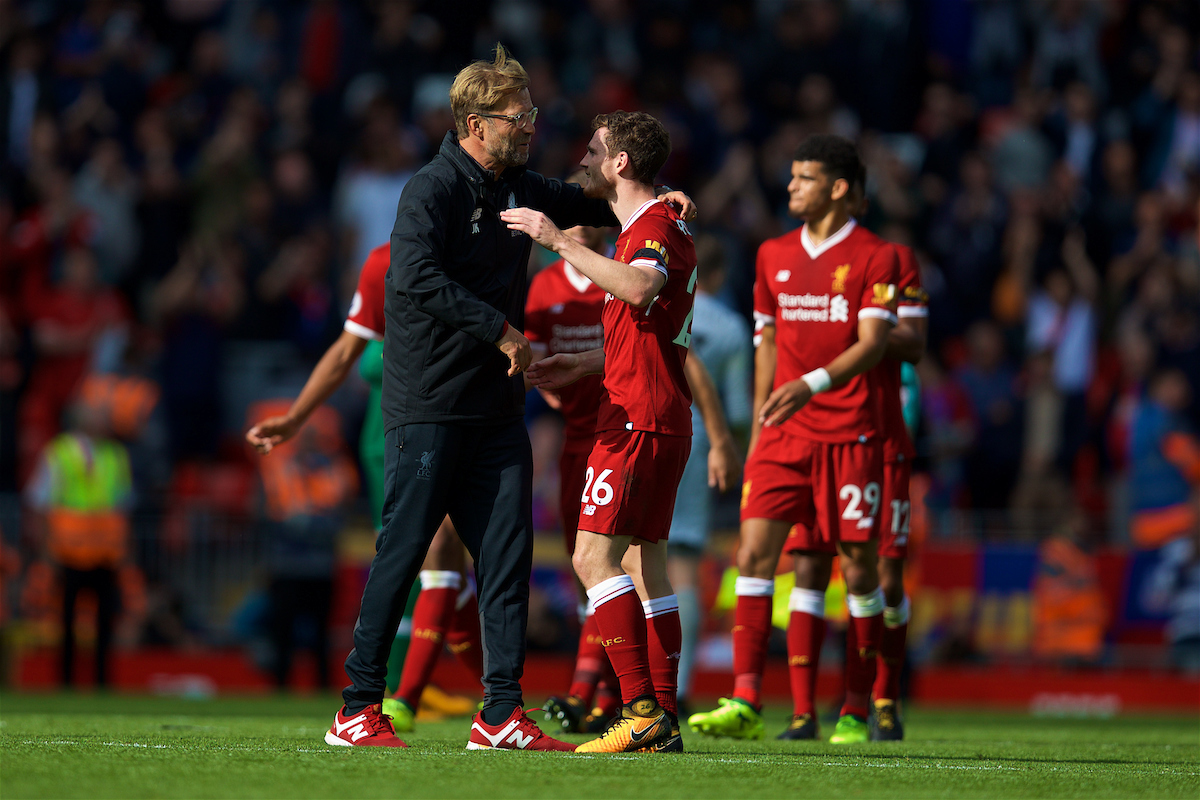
(818, 380)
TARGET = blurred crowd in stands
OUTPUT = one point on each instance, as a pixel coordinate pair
(188, 189)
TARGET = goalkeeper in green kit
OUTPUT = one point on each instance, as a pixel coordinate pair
(442, 611)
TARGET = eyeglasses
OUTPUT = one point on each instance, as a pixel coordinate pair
(519, 120)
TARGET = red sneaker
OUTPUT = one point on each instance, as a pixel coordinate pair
(368, 728)
(518, 732)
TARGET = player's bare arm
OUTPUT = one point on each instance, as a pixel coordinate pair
(906, 341)
(563, 369)
(854, 360)
(636, 285)
(724, 464)
(764, 378)
(326, 377)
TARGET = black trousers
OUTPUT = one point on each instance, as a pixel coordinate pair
(293, 599)
(102, 581)
(482, 476)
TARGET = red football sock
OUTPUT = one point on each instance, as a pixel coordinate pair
(431, 618)
(622, 625)
(590, 662)
(751, 630)
(664, 638)
(862, 648)
(463, 639)
(805, 635)
(891, 662)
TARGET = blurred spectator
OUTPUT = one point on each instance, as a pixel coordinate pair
(69, 321)
(1062, 325)
(82, 491)
(951, 434)
(1067, 44)
(108, 191)
(991, 386)
(1164, 464)
(1174, 588)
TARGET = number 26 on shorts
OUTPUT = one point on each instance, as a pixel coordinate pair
(601, 491)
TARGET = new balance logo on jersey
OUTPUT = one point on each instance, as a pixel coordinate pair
(783, 275)
(356, 726)
(589, 510)
(509, 734)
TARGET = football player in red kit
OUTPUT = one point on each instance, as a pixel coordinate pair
(824, 305)
(563, 315)
(906, 342)
(643, 429)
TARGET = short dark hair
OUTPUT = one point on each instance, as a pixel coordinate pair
(710, 255)
(641, 136)
(837, 155)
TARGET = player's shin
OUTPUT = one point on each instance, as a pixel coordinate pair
(664, 638)
(751, 630)
(431, 618)
(806, 634)
(463, 638)
(622, 625)
(891, 651)
(866, 617)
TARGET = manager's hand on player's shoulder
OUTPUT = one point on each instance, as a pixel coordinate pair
(784, 402)
(270, 432)
(681, 202)
(514, 345)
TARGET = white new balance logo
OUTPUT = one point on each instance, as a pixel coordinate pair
(516, 738)
(357, 732)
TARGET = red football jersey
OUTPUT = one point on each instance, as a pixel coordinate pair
(914, 302)
(563, 312)
(644, 348)
(365, 319)
(814, 295)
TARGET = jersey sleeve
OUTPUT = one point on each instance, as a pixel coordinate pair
(648, 241)
(366, 319)
(912, 298)
(879, 288)
(764, 299)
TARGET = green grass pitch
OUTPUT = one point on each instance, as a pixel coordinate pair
(115, 746)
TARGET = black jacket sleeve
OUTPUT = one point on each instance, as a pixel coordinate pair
(417, 271)
(566, 204)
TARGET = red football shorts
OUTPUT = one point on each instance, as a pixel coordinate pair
(895, 513)
(630, 483)
(830, 492)
(571, 468)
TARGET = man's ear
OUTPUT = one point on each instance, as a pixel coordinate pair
(475, 125)
(841, 187)
(621, 162)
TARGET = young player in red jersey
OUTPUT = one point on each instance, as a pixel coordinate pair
(824, 304)
(906, 342)
(643, 430)
(445, 611)
(563, 315)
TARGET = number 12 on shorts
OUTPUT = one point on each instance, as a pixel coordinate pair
(901, 515)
